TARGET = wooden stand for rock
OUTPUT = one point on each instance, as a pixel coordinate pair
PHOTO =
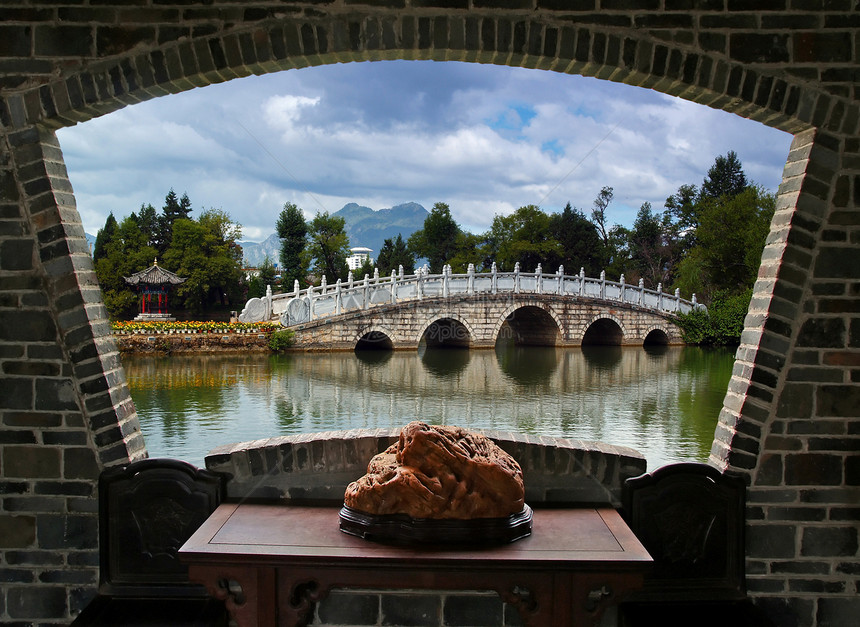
(402, 529)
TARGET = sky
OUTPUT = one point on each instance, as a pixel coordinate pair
(483, 139)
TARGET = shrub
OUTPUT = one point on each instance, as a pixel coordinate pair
(282, 340)
(720, 325)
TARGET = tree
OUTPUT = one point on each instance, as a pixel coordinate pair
(394, 254)
(125, 253)
(652, 247)
(525, 236)
(581, 246)
(147, 218)
(292, 231)
(206, 253)
(328, 248)
(265, 276)
(437, 240)
(725, 178)
(174, 209)
(598, 213)
(103, 237)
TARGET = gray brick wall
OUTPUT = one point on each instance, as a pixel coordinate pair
(790, 419)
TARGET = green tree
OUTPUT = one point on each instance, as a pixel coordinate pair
(207, 254)
(653, 247)
(394, 254)
(103, 237)
(174, 209)
(437, 240)
(328, 248)
(598, 213)
(581, 246)
(126, 252)
(731, 236)
(265, 276)
(470, 248)
(292, 231)
(525, 236)
(725, 178)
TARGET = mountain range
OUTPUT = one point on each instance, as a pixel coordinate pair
(364, 226)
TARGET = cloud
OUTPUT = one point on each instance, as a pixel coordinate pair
(484, 139)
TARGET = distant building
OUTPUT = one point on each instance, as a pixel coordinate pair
(358, 257)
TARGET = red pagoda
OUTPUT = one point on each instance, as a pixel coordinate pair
(153, 285)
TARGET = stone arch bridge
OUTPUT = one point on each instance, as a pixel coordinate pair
(474, 310)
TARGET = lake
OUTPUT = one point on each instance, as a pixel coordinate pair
(663, 402)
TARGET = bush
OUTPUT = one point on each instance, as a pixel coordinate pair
(281, 340)
(721, 325)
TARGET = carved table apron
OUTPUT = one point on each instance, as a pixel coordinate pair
(271, 563)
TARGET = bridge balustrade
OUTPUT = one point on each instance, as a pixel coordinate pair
(323, 301)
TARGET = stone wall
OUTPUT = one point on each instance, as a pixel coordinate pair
(791, 414)
(318, 466)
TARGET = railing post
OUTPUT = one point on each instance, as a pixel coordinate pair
(269, 307)
(445, 281)
(641, 290)
(659, 297)
(517, 278)
(560, 273)
(582, 281)
(400, 271)
(494, 282)
(602, 284)
(296, 288)
(337, 298)
(419, 284)
(349, 279)
(366, 287)
(539, 279)
(311, 300)
(621, 281)
(470, 281)
(323, 285)
(393, 287)
(677, 300)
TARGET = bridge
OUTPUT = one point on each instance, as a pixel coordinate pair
(474, 310)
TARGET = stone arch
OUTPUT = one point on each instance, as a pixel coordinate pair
(657, 335)
(537, 318)
(799, 80)
(375, 338)
(451, 330)
(605, 329)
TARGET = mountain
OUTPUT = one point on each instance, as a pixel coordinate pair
(254, 253)
(369, 228)
(364, 227)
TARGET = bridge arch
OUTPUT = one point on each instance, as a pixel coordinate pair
(657, 336)
(799, 80)
(529, 323)
(604, 330)
(375, 338)
(446, 331)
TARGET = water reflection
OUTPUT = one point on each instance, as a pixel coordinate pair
(663, 402)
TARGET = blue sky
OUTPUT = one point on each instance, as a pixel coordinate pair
(484, 139)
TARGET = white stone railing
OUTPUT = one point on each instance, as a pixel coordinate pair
(325, 300)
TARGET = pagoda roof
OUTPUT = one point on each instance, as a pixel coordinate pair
(154, 275)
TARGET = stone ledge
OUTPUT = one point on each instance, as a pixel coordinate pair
(319, 466)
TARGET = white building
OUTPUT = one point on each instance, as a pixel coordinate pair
(358, 257)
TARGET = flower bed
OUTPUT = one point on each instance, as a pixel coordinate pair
(191, 326)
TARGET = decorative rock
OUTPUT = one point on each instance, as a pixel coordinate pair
(440, 472)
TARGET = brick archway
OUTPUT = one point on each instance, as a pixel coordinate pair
(785, 423)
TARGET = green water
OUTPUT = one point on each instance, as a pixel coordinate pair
(662, 402)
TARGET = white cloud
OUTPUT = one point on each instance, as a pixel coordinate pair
(483, 139)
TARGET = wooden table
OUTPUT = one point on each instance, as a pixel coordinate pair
(271, 563)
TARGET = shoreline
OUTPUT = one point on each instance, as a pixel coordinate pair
(168, 343)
